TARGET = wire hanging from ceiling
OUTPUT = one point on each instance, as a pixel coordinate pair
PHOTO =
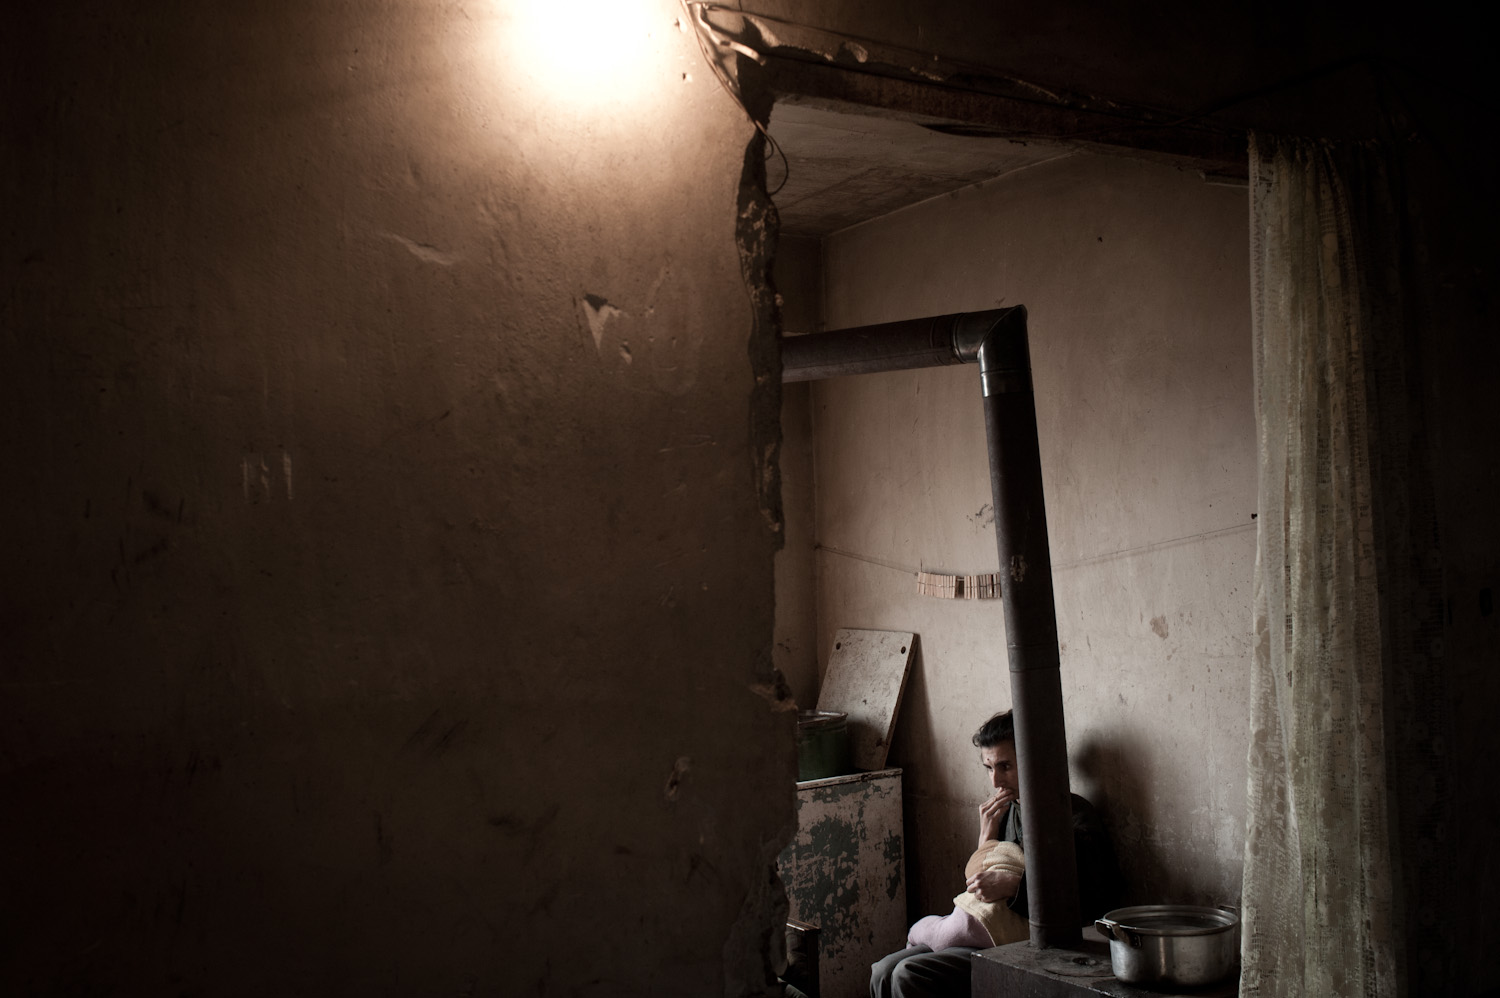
(718, 50)
(1130, 115)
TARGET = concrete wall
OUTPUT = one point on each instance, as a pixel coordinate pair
(1136, 278)
(387, 604)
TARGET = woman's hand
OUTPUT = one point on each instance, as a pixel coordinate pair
(990, 813)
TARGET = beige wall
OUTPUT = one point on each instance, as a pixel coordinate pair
(374, 622)
(1136, 280)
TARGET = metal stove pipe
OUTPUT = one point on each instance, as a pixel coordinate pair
(996, 339)
(1030, 631)
(889, 346)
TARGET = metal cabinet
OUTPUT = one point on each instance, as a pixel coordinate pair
(846, 873)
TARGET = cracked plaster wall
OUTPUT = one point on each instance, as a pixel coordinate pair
(389, 527)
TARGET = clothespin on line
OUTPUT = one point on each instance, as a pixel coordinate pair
(985, 586)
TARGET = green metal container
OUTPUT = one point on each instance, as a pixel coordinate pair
(822, 744)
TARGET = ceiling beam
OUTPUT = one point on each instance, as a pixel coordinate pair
(972, 103)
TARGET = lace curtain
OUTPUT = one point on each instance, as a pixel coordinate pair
(1347, 585)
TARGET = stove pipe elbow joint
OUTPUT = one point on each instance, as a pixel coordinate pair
(996, 340)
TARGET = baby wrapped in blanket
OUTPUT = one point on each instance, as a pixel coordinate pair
(974, 922)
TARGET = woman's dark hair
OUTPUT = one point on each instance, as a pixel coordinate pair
(1000, 728)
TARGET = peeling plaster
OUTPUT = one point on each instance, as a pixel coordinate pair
(846, 873)
(756, 231)
(424, 252)
(661, 278)
(257, 479)
(598, 311)
(674, 779)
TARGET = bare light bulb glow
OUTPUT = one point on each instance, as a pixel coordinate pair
(586, 50)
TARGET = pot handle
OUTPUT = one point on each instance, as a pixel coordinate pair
(1114, 930)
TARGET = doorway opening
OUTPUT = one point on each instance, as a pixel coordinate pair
(1135, 273)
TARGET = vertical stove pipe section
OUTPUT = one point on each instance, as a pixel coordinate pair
(1030, 622)
(996, 339)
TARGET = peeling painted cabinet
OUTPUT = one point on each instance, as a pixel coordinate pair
(846, 873)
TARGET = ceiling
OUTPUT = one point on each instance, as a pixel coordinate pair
(844, 167)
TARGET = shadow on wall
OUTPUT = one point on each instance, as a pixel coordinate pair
(1114, 773)
(912, 738)
(1136, 786)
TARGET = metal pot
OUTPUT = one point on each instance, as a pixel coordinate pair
(1177, 945)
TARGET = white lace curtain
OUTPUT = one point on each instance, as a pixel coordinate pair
(1343, 666)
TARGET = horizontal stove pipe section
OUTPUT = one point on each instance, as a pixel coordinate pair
(890, 346)
(996, 340)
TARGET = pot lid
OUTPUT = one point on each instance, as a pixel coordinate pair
(1173, 919)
